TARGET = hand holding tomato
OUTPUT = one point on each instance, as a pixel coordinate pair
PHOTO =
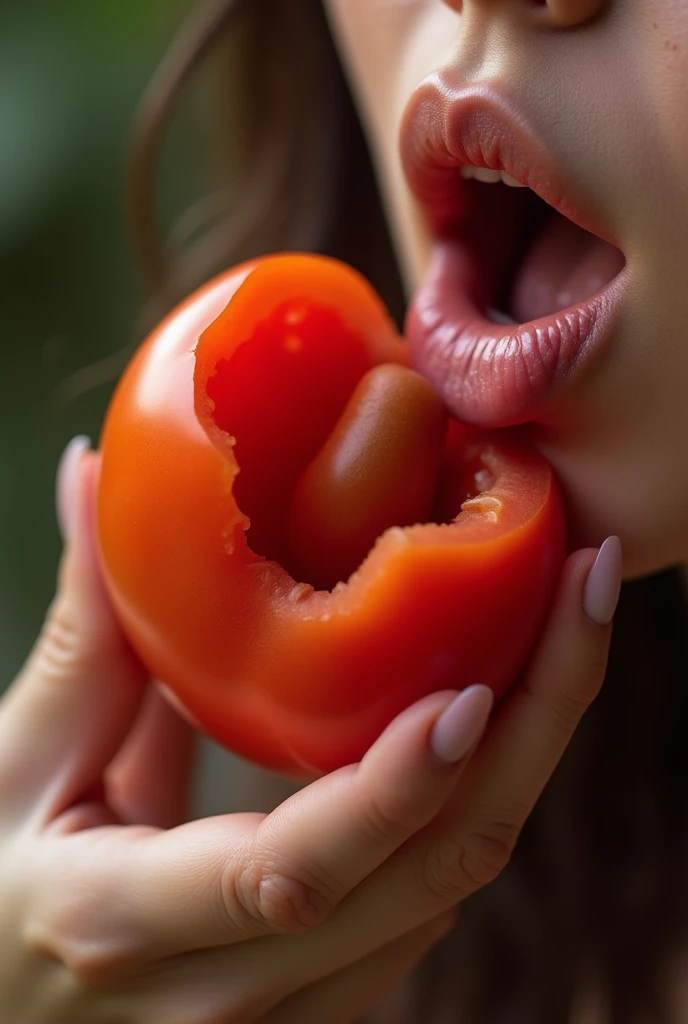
(111, 909)
(298, 541)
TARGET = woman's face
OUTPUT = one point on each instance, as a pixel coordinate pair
(576, 333)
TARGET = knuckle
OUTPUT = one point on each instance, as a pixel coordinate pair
(57, 649)
(98, 965)
(459, 865)
(76, 924)
(444, 883)
(64, 645)
(568, 709)
(486, 852)
(91, 962)
(259, 898)
(384, 824)
(597, 668)
(571, 696)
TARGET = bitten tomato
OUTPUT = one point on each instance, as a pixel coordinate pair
(260, 441)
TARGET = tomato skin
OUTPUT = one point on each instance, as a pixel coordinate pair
(298, 680)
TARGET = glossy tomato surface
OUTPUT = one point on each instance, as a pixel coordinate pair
(208, 435)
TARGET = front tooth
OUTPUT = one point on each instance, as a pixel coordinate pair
(486, 175)
(489, 176)
(508, 180)
(497, 317)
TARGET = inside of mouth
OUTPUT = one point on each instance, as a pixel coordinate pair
(533, 262)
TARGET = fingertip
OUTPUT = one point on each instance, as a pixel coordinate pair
(577, 566)
(436, 733)
(568, 598)
(590, 584)
(86, 506)
(77, 489)
(82, 684)
(459, 727)
(81, 586)
(414, 723)
(67, 484)
(603, 583)
(571, 656)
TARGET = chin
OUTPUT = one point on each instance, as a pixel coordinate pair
(650, 543)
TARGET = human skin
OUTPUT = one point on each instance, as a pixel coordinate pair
(605, 85)
(111, 908)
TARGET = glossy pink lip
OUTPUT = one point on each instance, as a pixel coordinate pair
(489, 374)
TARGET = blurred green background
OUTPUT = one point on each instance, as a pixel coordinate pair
(70, 77)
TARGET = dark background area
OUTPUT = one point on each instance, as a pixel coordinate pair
(71, 74)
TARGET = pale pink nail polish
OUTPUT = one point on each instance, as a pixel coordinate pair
(65, 483)
(461, 724)
(603, 585)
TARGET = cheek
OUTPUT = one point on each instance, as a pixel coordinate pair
(619, 478)
(663, 44)
(631, 475)
(371, 36)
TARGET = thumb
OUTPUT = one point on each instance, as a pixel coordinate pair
(78, 694)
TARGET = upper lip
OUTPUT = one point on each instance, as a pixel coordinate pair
(448, 124)
(489, 374)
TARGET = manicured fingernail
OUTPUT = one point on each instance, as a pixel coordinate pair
(603, 585)
(461, 724)
(65, 490)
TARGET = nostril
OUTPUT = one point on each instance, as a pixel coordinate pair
(570, 13)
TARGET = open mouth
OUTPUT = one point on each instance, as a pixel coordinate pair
(530, 261)
(523, 284)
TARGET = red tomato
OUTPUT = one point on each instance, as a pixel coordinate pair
(231, 451)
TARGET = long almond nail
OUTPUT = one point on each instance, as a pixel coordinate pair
(603, 586)
(461, 724)
(64, 486)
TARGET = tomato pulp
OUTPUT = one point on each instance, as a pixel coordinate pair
(224, 483)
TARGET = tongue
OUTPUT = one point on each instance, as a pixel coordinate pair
(563, 266)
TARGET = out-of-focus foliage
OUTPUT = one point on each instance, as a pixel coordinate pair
(70, 76)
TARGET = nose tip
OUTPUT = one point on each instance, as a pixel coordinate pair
(555, 13)
(569, 13)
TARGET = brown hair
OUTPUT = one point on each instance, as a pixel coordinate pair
(595, 898)
(294, 170)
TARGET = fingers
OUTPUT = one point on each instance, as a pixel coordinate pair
(79, 692)
(257, 982)
(533, 729)
(319, 844)
(343, 998)
(469, 842)
(226, 879)
(149, 780)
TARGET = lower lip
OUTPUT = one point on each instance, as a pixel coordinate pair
(489, 374)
